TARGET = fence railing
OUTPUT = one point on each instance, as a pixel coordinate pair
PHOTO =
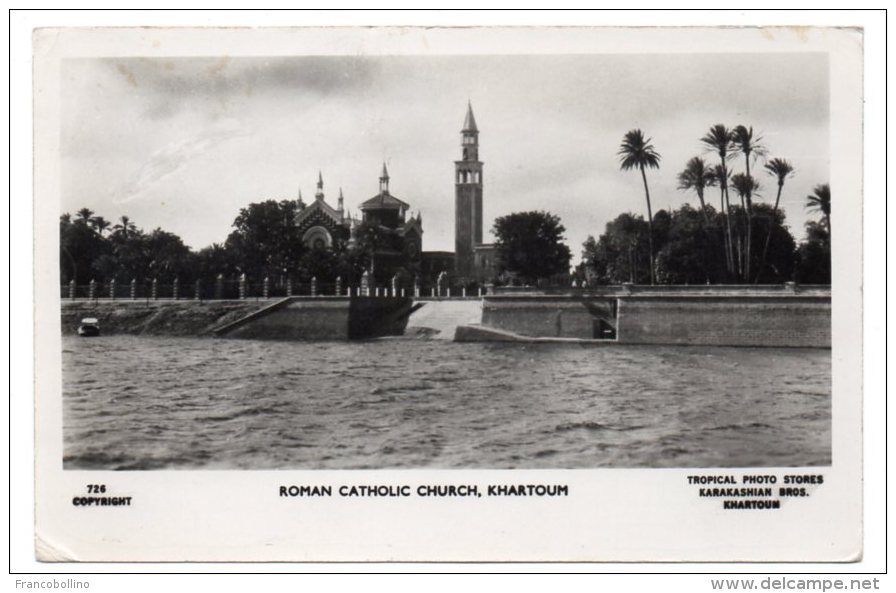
(245, 290)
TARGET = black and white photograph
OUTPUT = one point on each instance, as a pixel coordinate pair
(452, 262)
(388, 253)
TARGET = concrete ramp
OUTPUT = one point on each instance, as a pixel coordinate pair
(440, 319)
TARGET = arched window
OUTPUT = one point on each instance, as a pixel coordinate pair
(317, 237)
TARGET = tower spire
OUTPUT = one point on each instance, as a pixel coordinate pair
(470, 120)
(339, 205)
(384, 180)
(319, 195)
(299, 201)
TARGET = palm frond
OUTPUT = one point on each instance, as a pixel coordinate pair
(745, 142)
(636, 152)
(696, 175)
(745, 185)
(719, 140)
(721, 175)
(820, 199)
(781, 169)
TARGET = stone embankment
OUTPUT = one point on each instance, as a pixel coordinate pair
(755, 316)
(156, 318)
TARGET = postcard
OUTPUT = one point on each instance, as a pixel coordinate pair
(448, 294)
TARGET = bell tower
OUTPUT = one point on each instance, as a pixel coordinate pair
(467, 197)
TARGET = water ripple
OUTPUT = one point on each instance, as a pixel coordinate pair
(145, 403)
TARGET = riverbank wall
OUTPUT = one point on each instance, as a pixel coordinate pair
(781, 316)
(292, 318)
(761, 316)
(156, 318)
(323, 318)
(789, 322)
(554, 316)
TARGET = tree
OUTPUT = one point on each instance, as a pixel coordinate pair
(814, 255)
(99, 224)
(213, 260)
(745, 186)
(719, 139)
(780, 169)
(530, 245)
(371, 238)
(130, 257)
(749, 146)
(746, 144)
(636, 152)
(689, 255)
(782, 252)
(686, 254)
(319, 263)
(697, 176)
(79, 247)
(265, 240)
(820, 201)
(168, 256)
(723, 179)
(124, 227)
(84, 215)
(620, 253)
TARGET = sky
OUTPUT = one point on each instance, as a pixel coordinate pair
(184, 143)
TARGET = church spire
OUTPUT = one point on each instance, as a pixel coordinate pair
(319, 195)
(470, 120)
(470, 137)
(339, 203)
(384, 180)
(299, 201)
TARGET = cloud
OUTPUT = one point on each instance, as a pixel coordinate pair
(171, 85)
(174, 157)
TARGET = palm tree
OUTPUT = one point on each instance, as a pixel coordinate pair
(744, 143)
(746, 186)
(99, 224)
(747, 145)
(780, 169)
(719, 139)
(638, 153)
(125, 227)
(84, 215)
(697, 176)
(820, 201)
(723, 178)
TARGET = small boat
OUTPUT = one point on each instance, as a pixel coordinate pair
(89, 327)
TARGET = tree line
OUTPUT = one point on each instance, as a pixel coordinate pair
(264, 243)
(741, 241)
(744, 242)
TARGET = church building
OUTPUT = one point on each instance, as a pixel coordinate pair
(394, 239)
(320, 225)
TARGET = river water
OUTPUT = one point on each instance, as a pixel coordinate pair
(183, 403)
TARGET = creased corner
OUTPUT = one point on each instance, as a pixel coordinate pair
(47, 551)
(856, 555)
